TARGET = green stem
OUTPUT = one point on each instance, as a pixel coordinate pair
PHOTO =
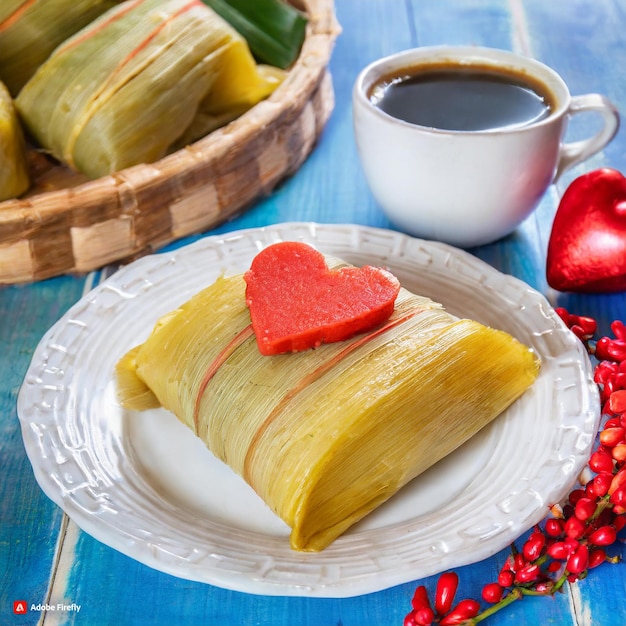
(516, 594)
(561, 581)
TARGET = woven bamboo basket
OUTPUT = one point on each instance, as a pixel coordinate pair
(68, 224)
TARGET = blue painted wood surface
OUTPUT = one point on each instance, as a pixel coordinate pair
(45, 558)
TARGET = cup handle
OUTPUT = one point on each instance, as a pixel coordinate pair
(578, 151)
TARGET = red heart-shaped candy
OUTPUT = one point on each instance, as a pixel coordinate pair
(296, 302)
(587, 247)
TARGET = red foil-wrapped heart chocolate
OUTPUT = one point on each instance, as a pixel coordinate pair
(587, 247)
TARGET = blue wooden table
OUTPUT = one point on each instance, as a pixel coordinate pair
(45, 558)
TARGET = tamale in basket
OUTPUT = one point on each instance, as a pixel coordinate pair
(119, 92)
(325, 436)
(31, 30)
(67, 223)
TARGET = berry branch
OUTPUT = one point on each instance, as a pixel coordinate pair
(574, 538)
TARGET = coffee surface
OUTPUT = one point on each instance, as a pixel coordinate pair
(461, 99)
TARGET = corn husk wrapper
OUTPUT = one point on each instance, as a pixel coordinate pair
(31, 29)
(127, 87)
(14, 174)
(327, 435)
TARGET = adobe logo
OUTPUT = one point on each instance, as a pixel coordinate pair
(20, 607)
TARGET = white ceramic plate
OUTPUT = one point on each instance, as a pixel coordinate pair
(143, 484)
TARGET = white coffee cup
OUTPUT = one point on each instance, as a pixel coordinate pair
(468, 188)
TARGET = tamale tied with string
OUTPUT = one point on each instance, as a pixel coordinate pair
(31, 29)
(325, 436)
(132, 84)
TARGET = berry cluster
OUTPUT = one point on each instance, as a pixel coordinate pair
(575, 537)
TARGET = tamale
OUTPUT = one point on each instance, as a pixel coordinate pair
(125, 88)
(14, 176)
(31, 29)
(325, 436)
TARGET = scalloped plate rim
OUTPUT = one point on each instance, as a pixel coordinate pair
(384, 571)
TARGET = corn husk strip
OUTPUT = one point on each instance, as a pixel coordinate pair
(14, 174)
(221, 358)
(31, 30)
(11, 12)
(110, 18)
(128, 86)
(325, 436)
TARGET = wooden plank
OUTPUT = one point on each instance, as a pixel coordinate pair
(576, 37)
(29, 521)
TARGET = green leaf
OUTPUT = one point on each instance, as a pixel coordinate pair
(273, 29)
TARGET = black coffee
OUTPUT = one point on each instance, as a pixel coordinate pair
(462, 99)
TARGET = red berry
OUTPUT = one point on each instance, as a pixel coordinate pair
(492, 593)
(420, 598)
(596, 557)
(506, 578)
(579, 331)
(527, 574)
(464, 610)
(409, 619)
(518, 562)
(617, 402)
(559, 550)
(446, 589)
(601, 483)
(533, 546)
(619, 522)
(610, 437)
(588, 324)
(574, 528)
(563, 314)
(553, 527)
(576, 495)
(424, 616)
(601, 461)
(578, 561)
(619, 452)
(605, 371)
(619, 329)
(585, 508)
(618, 499)
(603, 536)
(610, 349)
(619, 480)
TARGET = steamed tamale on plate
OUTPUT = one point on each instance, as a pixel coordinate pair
(67, 223)
(142, 483)
(325, 435)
